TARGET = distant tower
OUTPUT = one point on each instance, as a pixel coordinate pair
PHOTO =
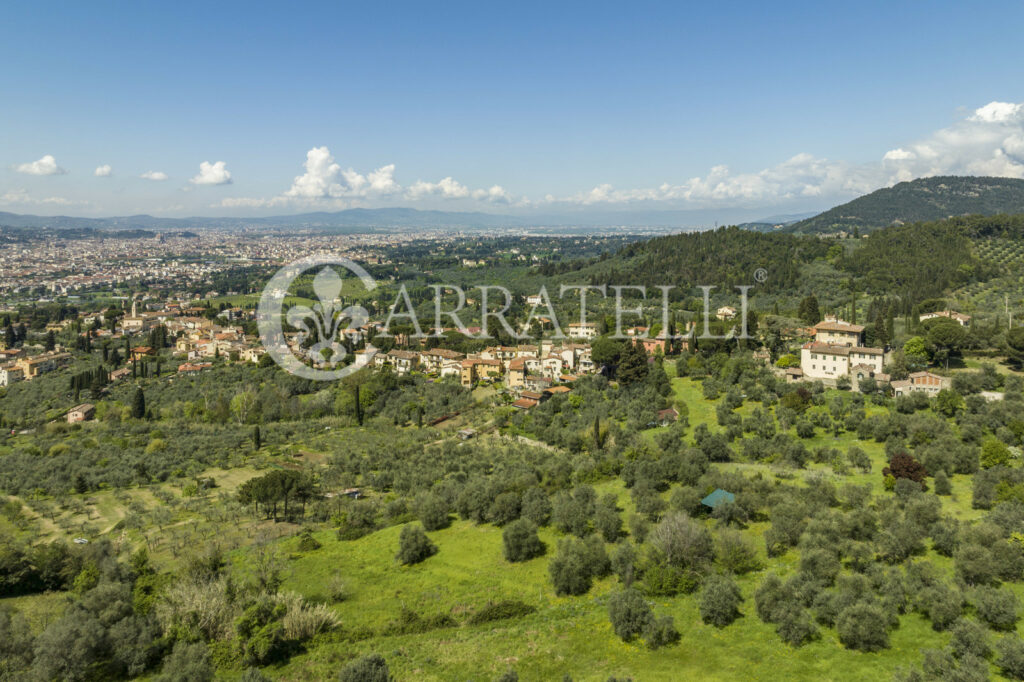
(133, 307)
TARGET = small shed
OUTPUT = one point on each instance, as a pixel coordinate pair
(717, 497)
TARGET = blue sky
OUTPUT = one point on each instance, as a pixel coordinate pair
(519, 108)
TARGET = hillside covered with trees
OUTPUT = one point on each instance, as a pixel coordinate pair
(924, 199)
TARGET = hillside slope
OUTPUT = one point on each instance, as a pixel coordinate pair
(921, 200)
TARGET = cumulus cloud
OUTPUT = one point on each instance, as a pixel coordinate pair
(103, 171)
(447, 188)
(989, 141)
(496, 194)
(212, 174)
(802, 175)
(44, 166)
(325, 183)
(325, 179)
(158, 176)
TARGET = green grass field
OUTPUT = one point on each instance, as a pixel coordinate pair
(566, 635)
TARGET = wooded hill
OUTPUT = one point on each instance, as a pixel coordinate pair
(924, 199)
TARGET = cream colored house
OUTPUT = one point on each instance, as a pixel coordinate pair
(831, 361)
(838, 332)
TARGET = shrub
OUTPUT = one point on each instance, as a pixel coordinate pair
(945, 535)
(974, 564)
(994, 452)
(685, 543)
(502, 610)
(719, 601)
(521, 542)
(536, 506)
(571, 512)
(820, 564)
(661, 632)
(596, 557)
(188, 663)
(432, 511)
(969, 638)
(859, 459)
(308, 543)
(261, 632)
(1011, 656)
(997, 607)
(505, 509)
(942, 484)
(663, 579)
(942, 605)
(903, 465)
(735, 554)
(629, 613)
(863, 627)
(414, 546)
(409, 623)
(608, 523)
(369, 668)
(772, 597)
(569, 571)
(303, 620)
(623, 562)
(794, 625)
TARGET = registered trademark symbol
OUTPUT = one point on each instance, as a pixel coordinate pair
(761, 274)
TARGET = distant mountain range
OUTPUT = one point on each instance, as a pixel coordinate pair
(355, 219)
(919, 200)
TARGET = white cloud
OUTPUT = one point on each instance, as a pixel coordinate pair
(447, 188)
(324, 183)
(998, 112)
(103, 171)
(44, 166)
(496, 194)
(212, 174)
(800, 176)
(20, 196)
(320, 178)
(154, 175)
(898, 154)
(247, 202)
(990, 141)
(325, 179)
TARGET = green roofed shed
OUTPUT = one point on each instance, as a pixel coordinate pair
(717, 497)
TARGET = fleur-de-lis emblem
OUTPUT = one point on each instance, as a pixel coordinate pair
(319, 324)
(327, 318)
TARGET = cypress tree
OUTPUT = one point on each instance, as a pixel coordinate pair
(256, 439)
(139, 404)
(359, 407)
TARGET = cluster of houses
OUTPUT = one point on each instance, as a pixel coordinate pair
(530, 368)
(16, 365)
(837, 350)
